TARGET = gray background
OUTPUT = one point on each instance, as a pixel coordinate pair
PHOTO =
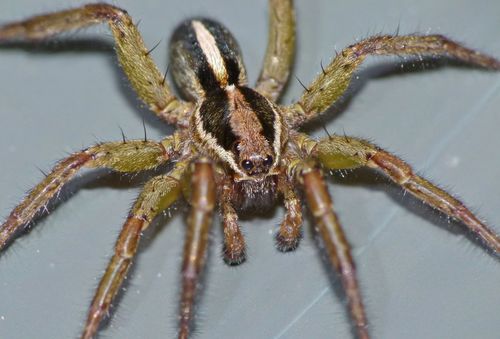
(420, 276)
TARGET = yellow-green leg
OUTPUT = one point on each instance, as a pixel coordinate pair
(146, 79)
(334, 79)
(128, 156)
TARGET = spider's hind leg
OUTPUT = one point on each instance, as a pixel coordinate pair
(146, 79)
(202, 201)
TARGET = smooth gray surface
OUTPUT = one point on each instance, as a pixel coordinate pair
(419, 279)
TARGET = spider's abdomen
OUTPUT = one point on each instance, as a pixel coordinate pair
(205, 57)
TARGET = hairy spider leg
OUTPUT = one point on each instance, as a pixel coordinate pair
(158, 194)
(202, 200)
(280, 49)
(146, 79)
(340, 152)
(128, 156)
(334, 80)
(336, 244)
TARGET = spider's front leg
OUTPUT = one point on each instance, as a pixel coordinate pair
(128, 156)
(334, 80)
(149, 83)
(340, 152)
(202, 200)
(336, 244)
(158, 194)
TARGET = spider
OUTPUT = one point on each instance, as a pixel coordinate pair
(298, 176)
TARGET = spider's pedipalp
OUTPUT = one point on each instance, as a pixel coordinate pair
(334, 80)
(336, 244)
(129, 156)
(280, 50)
(340, 152)
(158, 193)
(234, 248)
(290, 231)
(202, 201)
(133, 55)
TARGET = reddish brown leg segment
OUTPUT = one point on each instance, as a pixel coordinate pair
(199, 221)
(432, 195)
(157, 195)
(125, 250)
(336, 244)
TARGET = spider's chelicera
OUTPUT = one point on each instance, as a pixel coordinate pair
(235, 147)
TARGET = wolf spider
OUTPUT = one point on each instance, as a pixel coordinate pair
(255, 154)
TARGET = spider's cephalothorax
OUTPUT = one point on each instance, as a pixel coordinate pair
(231, 122)
(236, 147)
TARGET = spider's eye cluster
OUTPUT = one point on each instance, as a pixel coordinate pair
(257, 165)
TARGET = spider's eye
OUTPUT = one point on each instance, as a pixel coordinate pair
(268, 161)
(247, 165)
